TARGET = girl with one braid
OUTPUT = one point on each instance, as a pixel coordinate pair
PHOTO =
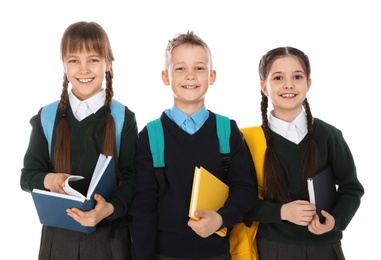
(79, 136)
(298, 146)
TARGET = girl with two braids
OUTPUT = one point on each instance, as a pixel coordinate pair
(77, 141)
(298, 146)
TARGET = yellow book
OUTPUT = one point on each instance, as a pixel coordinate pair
(208, 193)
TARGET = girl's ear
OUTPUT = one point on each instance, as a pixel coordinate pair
(309, 82)
(264, 88)
(108, 66)
(165, 77)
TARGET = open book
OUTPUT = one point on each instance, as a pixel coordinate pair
(208, 193)
(51, 207)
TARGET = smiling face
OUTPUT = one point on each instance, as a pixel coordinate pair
(86, 71)
(189, 74)
(286, 86)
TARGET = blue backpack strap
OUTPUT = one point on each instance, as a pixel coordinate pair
(118, 113)
(223, 133)
(156, 142)
(48, 116)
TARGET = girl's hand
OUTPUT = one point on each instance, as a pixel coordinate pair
(318, 228)
(299, 212)
(55, 182)
(92, 217)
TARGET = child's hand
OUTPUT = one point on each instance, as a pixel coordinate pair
(210, 221)
(299, 212)
(92, 217)
(55, 182)
(318, 228)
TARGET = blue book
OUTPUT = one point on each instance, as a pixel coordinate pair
(322, 191)
(51, 207)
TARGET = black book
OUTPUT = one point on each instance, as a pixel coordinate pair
(322, 191)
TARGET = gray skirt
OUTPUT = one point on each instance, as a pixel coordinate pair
(61, 244)
(272, 250)
(223, 257)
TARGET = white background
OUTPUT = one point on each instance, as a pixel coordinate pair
(341, 38)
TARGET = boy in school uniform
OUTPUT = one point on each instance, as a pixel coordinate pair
(161, 228)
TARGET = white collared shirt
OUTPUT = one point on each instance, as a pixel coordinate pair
(94, 103)
(293, 131)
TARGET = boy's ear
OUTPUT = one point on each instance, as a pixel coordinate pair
(165, 77)
(213, 75)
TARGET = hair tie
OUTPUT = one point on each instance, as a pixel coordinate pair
(63, 113)
(107, 110)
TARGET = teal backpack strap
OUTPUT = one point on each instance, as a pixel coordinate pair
(156, 141)
(48, 116)
(223, 133)
(117, 112)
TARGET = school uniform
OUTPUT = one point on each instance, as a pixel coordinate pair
(278, 239)
(159, 222)
(111, 239)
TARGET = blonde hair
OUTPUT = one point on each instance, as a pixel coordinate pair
(186, 38)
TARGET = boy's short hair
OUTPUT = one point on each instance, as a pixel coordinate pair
(186, 38)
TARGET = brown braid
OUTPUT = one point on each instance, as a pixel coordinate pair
(109, 144)
(274, 170)
(311, 154)
(275, 180)
(63, 134)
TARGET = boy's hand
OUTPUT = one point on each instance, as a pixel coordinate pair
(209, 222)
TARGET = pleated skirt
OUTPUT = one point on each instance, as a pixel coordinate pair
(223, 257)
(271, 250)
(61, 244)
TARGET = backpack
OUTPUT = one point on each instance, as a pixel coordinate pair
(48, 116)
(242, 237)
(243, 245)
(156, 141)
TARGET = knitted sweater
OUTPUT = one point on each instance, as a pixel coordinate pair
(333, 151)
(86, 145)
(159, 223)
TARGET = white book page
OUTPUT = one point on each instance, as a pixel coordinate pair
(69, 190)
(60, 195)
(102, 163)
(311, 191)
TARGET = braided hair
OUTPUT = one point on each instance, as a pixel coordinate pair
(84, 36)
(275, 180)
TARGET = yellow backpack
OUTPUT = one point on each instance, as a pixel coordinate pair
(243, 245)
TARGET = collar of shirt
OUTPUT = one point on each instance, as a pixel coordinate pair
(282, 127)
(179, 117)
(94, 103)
